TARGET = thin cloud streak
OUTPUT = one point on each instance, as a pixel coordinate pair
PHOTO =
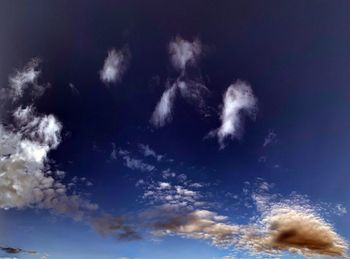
(163, 111)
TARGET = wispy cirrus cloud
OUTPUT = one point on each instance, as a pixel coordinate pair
(238, 101)
(163, 111)
(115, 65)
(26, 78)
(182, 53)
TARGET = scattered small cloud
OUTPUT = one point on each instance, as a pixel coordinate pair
(270, 138)
(198, 224)
(74, 88)
(16, 250)
(115, 65)
(238, 100)
(130, 161)
(148, 152)
(25, 78)
(116, 226)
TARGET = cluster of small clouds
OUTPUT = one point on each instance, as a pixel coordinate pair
(130, 161)
(238, 99)
(26, 178)
(115, 65)
(179, 196)
(280, 224)
(26, 139)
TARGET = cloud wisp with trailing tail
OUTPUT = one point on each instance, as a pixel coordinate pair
(182, 54)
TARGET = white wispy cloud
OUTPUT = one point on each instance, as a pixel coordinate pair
(24, 79)
(115, 65)
(183, 52)
(163, 111)
(238, 101)
(193, 92)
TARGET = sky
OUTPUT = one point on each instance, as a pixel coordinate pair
(174, 129)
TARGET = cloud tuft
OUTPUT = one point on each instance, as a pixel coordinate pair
(115, 65)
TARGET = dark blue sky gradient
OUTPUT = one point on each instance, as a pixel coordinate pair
(295, 54)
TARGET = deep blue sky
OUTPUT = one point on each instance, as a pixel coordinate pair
(295, 55)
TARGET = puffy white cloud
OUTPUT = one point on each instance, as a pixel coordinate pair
(184, 52)
(238, 100)
(25, 178)
(163, 111)
(115, 65)
(25, 78)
